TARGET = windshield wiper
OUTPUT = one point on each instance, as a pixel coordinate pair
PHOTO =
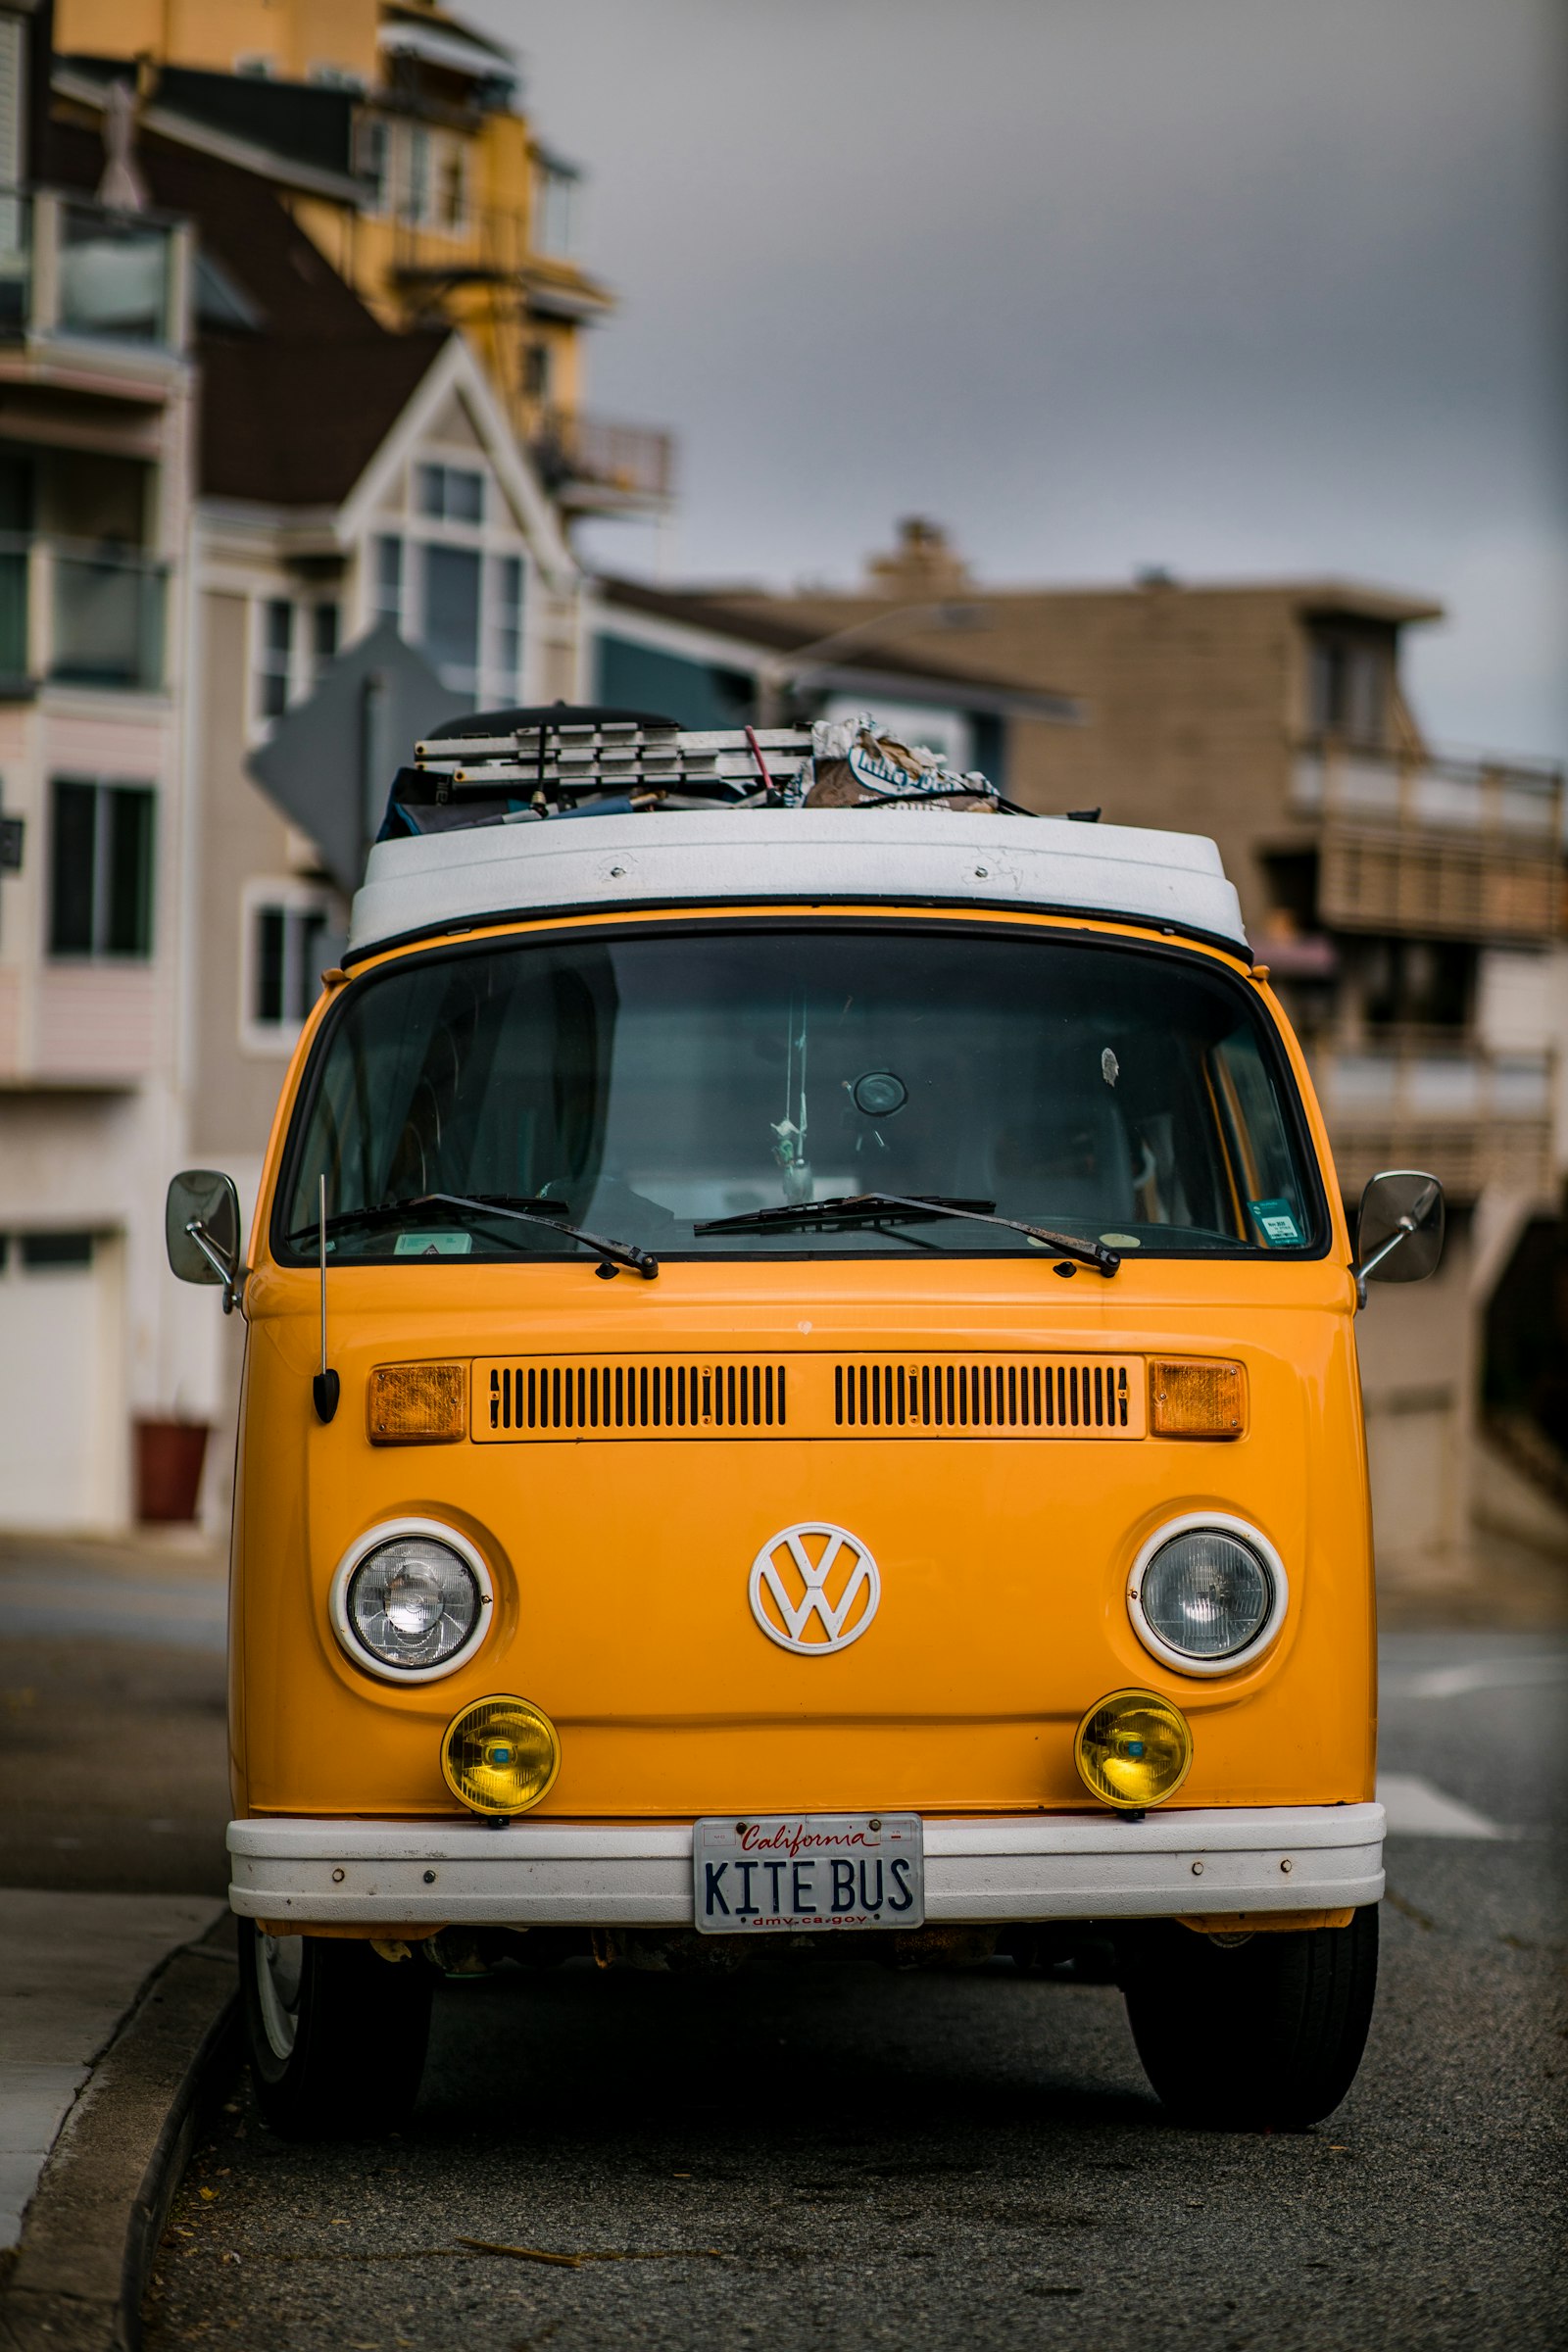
(522, 1209)
(863, 1209)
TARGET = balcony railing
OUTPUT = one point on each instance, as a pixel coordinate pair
(81, 615)
(108, 619)
(69, 267)
(1474, 1118)
(590, 462)
(1437, 847)
(1468, 797)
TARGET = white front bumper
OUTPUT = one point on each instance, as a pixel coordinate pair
(592, 1874)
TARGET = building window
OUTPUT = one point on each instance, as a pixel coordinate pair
(12, 100)
(452, 613)
(508, 612)
(456, 583)
(274, 657)
(55, 1252)
(16, 541)
(370, 159)
(415, 205)
(451, 492)
(452, 187)
(324, 637)
(101, 879)
(287, 956)
(555, 222)
(389, 580)
(1348, 688)
(536, 371)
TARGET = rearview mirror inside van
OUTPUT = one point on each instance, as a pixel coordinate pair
(1399, 1231)
(201, 1229)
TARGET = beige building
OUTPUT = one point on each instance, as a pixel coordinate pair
(218, 465)
(403, 497)
(96, 437)
(1410, 905)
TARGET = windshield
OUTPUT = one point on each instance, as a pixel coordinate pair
(651, 1083)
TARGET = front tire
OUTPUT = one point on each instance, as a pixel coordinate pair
(335, 2035)
(1263, 2033)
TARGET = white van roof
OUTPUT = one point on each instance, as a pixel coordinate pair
(904, 853)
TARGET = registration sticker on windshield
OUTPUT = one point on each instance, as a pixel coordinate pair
(433, 1244)
(789, 1873)
(1278, 1221)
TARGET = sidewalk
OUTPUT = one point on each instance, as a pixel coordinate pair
(70, 1969)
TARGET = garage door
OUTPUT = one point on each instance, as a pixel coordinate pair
(62, 1407)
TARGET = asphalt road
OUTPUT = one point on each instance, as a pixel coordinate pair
(837, 2156)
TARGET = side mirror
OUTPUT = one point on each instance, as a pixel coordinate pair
(201, 1230)
(1399, 1230)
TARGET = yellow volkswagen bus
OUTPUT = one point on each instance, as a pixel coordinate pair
(800, 1390)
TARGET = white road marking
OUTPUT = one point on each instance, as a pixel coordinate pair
(1415, 1809)
(1481, 1673)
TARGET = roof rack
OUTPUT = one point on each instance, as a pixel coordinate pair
(507, 767)
(616, 756)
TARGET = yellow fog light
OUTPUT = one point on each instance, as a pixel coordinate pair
(417, 1404)
(1133, 1749)
(1202, 1399)
(499, 1755)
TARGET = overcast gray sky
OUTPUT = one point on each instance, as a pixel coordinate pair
(1242, 287)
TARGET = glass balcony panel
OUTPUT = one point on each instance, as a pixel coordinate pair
(108, 620)
(1370, 786)
(1449, 800)
(1439, 1086)
(15, 261)
(1360, 1081)
(12, 610)
(1525, 806)
(1521, 1088)
(1445, 1087)
(625, 460)
(1307, 782)
(114, 275)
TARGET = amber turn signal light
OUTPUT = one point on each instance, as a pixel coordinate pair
(417, 1404)
(1199, 1398)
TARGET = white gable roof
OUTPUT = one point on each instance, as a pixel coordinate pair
(728, 856)
(455, 372)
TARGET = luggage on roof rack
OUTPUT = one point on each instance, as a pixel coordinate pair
(564, 760)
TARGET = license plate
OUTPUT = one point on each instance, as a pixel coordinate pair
(789, 1871)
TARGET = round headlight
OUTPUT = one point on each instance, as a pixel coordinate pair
(1203, 1594)
(1133, 1749)
(499, 1755)
(412, 1603)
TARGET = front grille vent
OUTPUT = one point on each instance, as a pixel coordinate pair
(1039, 1393)
(647, 1397)
(575, 1399)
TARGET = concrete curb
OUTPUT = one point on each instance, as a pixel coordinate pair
(93, 2227)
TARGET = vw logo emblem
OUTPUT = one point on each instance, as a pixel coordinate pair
(815, 1571)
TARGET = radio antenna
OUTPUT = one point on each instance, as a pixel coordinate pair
(325, 1386)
